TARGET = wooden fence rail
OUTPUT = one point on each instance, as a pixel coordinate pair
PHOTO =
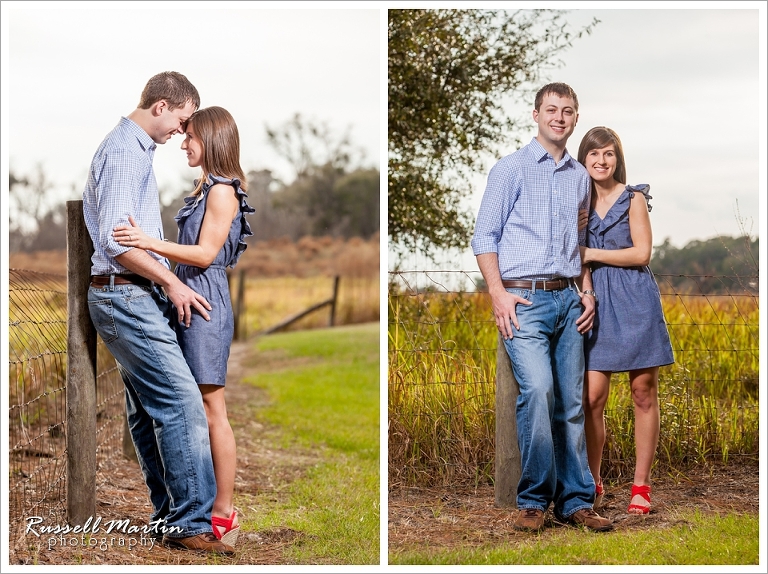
(327, 303)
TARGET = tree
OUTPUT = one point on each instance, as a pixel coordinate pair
(357, 196)
(716, 265)
(331, 194)
(448, 71)
(36, 222)
(307, 144)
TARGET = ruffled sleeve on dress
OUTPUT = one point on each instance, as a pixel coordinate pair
(245, 227)
(598, 228)
(643, 188)
(191, 202)
(245, 209)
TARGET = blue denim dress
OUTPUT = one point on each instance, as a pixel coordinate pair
(206, 344)
(629, 331)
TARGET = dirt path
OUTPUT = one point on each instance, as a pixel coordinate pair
(447, 518)
(263, 473)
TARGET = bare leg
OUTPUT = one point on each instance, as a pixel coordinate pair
(596, 387)
(223, 450)
(645, 386)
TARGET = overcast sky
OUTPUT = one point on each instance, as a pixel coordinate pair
(76, 68)
(685, 89)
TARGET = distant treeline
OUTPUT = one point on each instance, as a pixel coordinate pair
(716, 265)
(332, 194)
(328, 202)
(712, 266)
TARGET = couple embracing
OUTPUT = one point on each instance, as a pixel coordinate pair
(170, 332)
(564, 245)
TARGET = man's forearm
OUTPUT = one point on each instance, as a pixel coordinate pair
(585, 278)
(142, 263)
(489, 267)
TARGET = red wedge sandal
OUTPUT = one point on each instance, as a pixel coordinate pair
(222, 528)
(645, 492)
(599, 493)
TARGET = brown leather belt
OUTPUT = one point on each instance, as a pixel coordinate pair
(125, 279)
(547, 285)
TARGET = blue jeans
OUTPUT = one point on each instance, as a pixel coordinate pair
(547, 355)
(163, 404)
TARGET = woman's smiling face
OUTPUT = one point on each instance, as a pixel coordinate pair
(601, 163)
(192, 146)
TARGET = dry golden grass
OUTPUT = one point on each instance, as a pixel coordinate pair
(270, 301)
(312, 256)
(284, 278)
(308, 257)
(441, 388)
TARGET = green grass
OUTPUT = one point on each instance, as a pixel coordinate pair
(324, 396)
(691, 539)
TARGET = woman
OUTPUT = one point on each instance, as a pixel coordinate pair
(629, 332)
(212, 232)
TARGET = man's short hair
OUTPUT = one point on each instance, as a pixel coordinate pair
(559, 89)
(172, 87)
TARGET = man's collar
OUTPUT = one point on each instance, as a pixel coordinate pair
(541, 154)
(146, 142)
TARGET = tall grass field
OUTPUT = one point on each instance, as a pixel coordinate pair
(441, 387)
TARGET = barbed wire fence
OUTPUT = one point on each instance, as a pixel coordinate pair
(37, 421)
(442, 349)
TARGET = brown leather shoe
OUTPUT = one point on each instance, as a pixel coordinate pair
(205, 542)
(530, 519)
(591, 519)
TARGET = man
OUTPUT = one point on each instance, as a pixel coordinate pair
(130, 299)
(527, 246)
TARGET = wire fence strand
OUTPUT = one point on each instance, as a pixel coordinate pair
(37, 335)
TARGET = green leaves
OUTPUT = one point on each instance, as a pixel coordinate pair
(449, 71)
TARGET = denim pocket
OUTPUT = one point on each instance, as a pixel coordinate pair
(138, 291)
(524, 293)
(103, 319)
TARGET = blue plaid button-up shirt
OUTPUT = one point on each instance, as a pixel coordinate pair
(121, 182)
(529, 214)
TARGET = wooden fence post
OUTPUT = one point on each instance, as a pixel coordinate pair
(236, 300)
(81, 373)
(507, 463)
(332, 319)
